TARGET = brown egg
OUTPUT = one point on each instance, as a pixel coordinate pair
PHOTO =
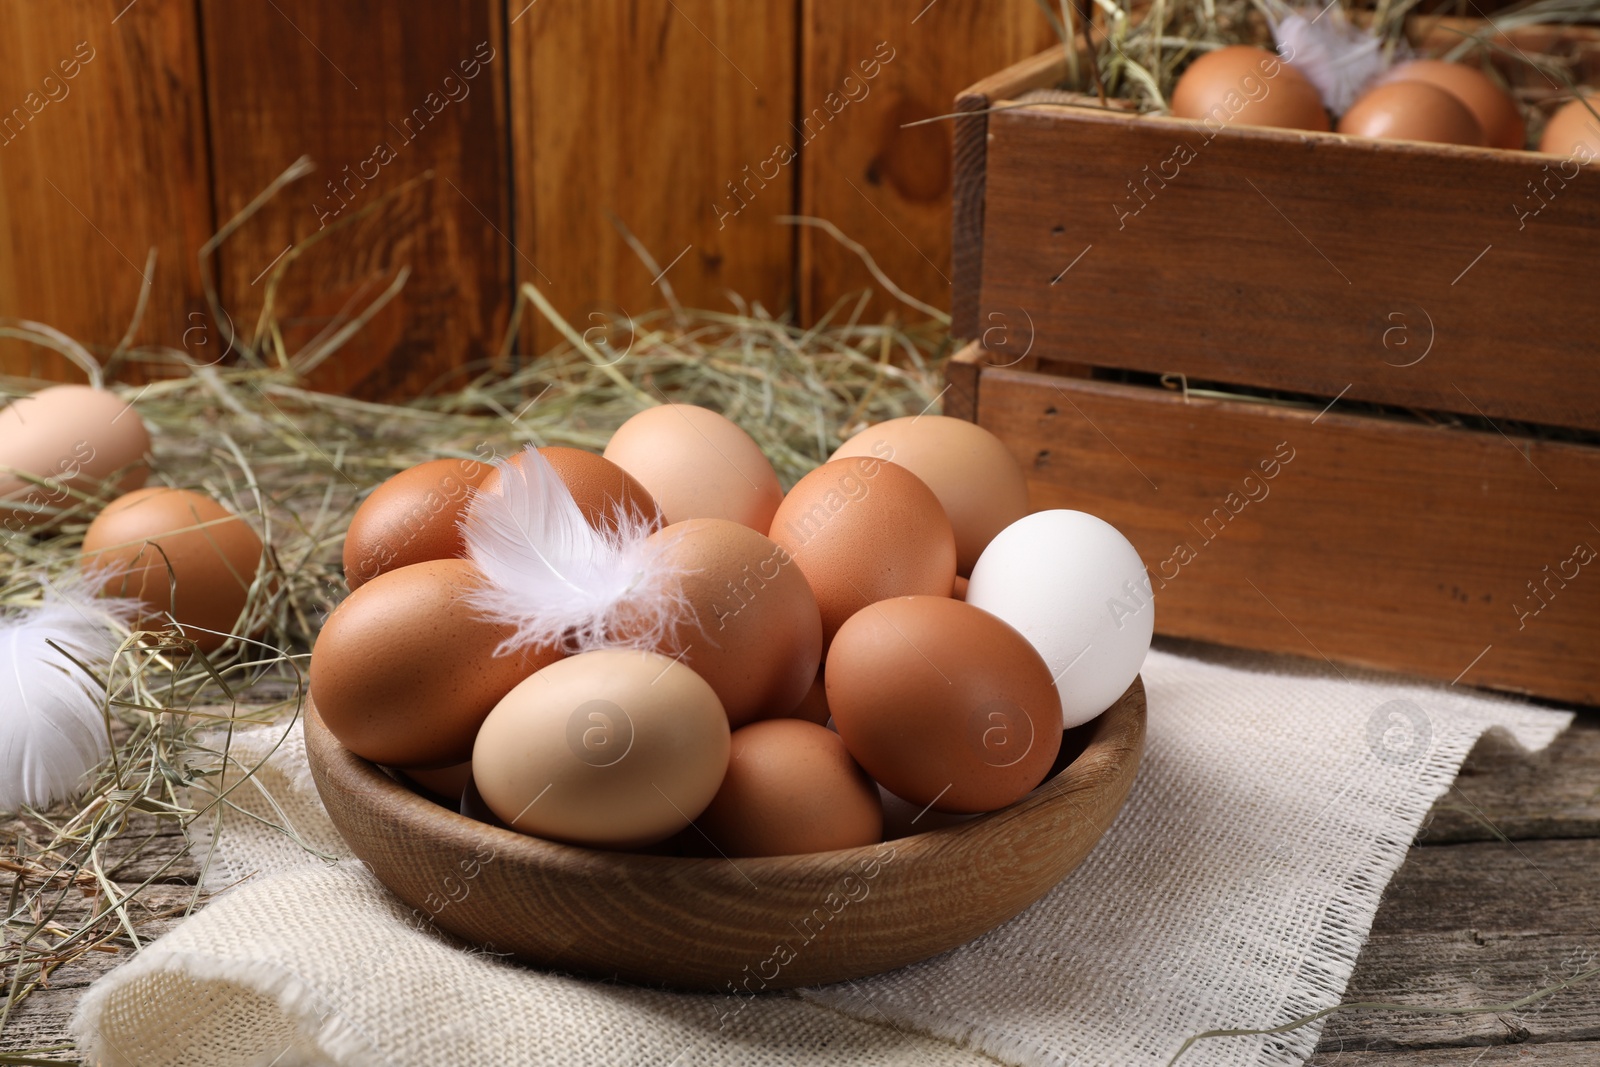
(612, 749)
(1491, 105)
(600, 488)
(960, 590)
(1411, 111)
(971, 471)
(1574, 130)
(791, 788)
(943, 704)
(180, 553)
(414, 516)
(72, 438)
(1246, 86)
(698, 465)
(447, 783)
(751, 627)
(813, 707)
(405, 670)
(863, 530)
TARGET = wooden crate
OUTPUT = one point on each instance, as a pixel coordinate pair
(1378, 437)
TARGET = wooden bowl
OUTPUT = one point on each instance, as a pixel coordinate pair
(728, 925)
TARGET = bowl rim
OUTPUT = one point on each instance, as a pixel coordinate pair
(1117, 737)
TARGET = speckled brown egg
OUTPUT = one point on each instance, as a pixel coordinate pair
(863, 530)
(1411, 111)
(943, 703)
(412, 517)
(178, 552)
(750, 625)
(791, 788)
(405, 670)
(601, 489)
(974, 475)
(1573, 130)
(1247, 86)
(698, 465)
(1491, 105)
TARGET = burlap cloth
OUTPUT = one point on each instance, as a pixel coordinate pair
(1235, 889)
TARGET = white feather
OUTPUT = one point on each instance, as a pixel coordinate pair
(558, 580)
(52, 729)
(1340, 59)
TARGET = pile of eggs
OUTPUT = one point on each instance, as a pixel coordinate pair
(894, 645)
(1418, 100)
(179, 553)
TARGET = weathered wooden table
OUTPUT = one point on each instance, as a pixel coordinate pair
(1499, 898)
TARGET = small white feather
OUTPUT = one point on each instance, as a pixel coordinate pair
(558, 580)
(52, 729)
(1340, 59)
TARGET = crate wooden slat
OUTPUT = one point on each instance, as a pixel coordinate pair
(1382, 542)
(1312, 263)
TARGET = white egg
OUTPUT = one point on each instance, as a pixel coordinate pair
(1078, 591)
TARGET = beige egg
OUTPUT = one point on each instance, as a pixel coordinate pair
(178, 552)
(697, 464)
(62, 441)
(976, 478)
(611, 749)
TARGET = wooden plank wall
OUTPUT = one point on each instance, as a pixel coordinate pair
(883, 183)
(102, 157)
(480, 144)
(644, 115)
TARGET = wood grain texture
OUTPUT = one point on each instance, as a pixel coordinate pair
(102, 157)
(710, 923)
(1400, 273)
(971, 146)
(665, 118)
(1378, 542)
(885, 185)
(377, 95)
(1524, 920)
